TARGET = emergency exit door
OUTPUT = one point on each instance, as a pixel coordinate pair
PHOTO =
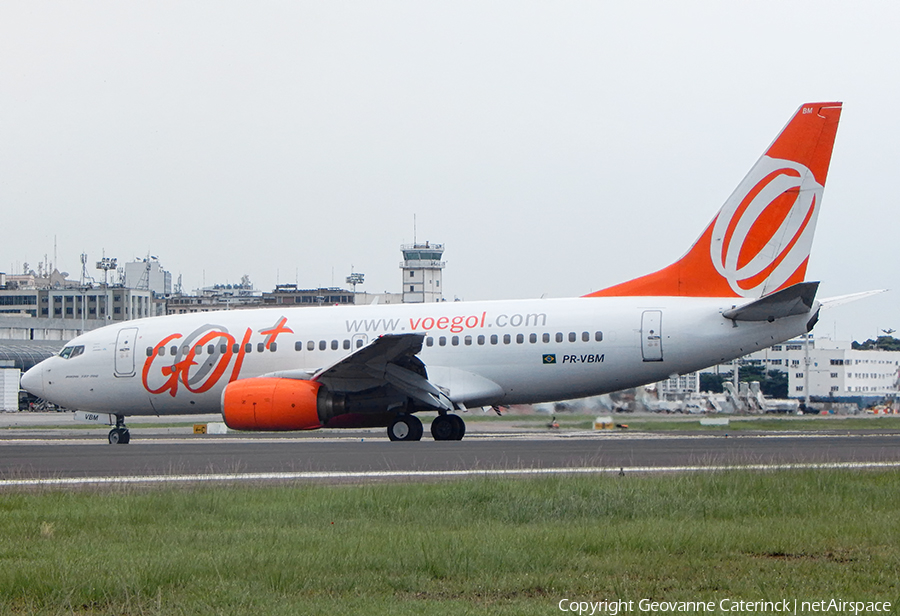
(651, 335)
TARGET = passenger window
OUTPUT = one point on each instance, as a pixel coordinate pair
(480, 340)
(546, 338)
(334, 345)
(442, 341)
(494, 339)
(506, 339)
(311, 345)
(598, 336)
(429, 341)
(468, 340)
(248, 348)
(559, 337)
(322, 345)
(173, 351)
(149, 351)
(211, 349)
(520, 338)
(454, 340)
(162, 352)
(223, 348)
(532, 338)
(273, 346)
(235, 348)
(346, 344)
(298, 346)
(585, 336)
(198, 350)
(572, 337)
(359, 343)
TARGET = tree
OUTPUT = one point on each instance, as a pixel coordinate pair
(883, 343)
(711, 383)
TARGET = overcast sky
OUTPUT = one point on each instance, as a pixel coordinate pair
(555, 148)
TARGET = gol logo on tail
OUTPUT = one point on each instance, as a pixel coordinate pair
(764, 232)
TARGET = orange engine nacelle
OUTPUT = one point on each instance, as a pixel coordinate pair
(272, 404)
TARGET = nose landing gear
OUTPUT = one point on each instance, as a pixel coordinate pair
(120, 434)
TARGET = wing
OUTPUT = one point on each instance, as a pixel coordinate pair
(393, 360)
(389, 359)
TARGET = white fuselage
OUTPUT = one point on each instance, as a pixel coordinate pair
(478, 353)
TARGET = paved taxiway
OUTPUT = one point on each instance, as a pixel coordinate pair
(161, 452)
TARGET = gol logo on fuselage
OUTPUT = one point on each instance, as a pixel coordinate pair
(174, 360)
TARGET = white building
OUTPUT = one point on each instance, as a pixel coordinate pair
(835, 369)
(148, 274)
(679, 384)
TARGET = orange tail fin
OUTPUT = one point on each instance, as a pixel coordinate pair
(759, 242)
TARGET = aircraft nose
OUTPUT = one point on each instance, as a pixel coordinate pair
(33, 381)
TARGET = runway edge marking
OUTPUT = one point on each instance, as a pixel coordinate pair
(334, 475)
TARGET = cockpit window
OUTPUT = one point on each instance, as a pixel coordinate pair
(71, 351)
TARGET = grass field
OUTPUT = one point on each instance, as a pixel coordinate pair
(481, 546)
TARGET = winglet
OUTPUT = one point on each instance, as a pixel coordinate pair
(759, 242)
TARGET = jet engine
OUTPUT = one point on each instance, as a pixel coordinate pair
(275, 404)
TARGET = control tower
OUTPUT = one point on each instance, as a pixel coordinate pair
(421, 268)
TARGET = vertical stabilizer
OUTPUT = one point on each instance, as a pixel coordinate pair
(759, 242)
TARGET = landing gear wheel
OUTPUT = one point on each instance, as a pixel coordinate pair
(459, 427)
(405, 428)
(119, 436)
(448, 427)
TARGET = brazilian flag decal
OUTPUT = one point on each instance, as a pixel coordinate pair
(550, 358)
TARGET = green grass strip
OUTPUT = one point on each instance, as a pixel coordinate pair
(479, 546)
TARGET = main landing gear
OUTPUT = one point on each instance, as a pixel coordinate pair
(120, 434)
(448, 427)
(407, 427)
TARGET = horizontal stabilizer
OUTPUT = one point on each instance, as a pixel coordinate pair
(831, 302)
(795, 300)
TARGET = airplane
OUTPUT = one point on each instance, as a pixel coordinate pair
(740, 288)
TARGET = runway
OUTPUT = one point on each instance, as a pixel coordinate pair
(368, 454)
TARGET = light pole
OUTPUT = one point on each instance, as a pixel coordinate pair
(354, 279)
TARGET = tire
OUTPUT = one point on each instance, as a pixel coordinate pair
(119, 436)
(459, 427)
(418, 429)
(405, 428)
(443, 428)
